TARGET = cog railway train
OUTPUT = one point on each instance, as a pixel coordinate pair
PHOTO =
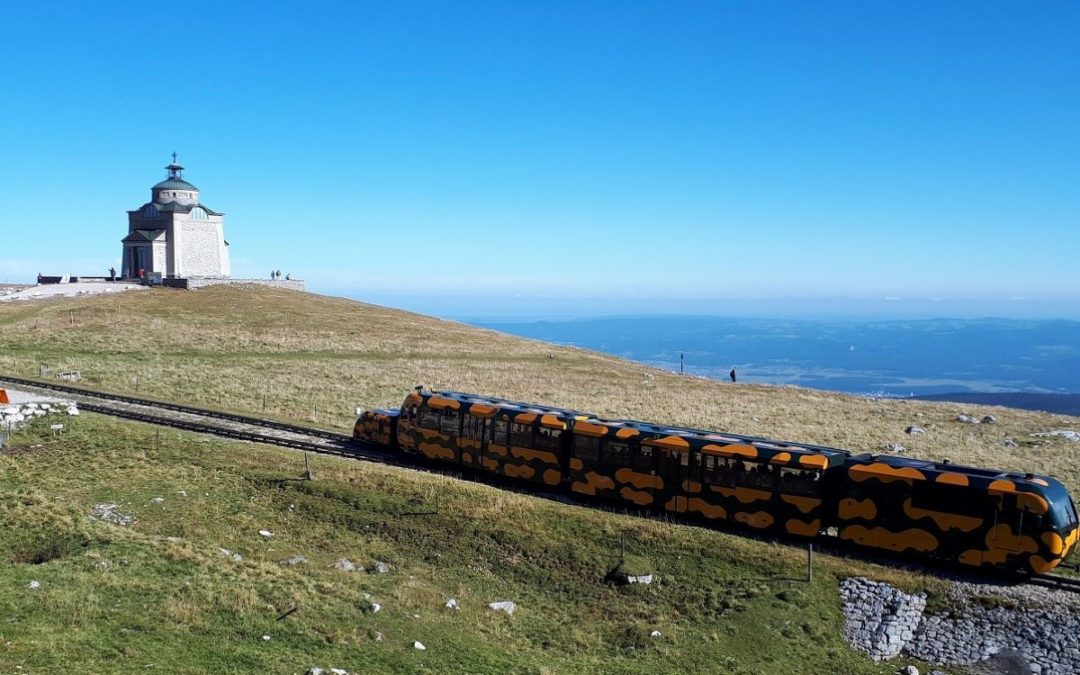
(939, 511)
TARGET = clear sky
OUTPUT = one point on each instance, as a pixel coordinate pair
(646, 154)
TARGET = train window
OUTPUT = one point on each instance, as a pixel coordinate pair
(500, 433)
(643, 459)
(449, 422)
(429, 419)
(949, 499)
(799, 481)
(708, 470)
(617, 454)
(473, 428)
(758, 475)
(521, 435)
(548, 439)
(586, 447)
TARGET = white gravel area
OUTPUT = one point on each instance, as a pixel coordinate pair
(20, 397)
(68, 290)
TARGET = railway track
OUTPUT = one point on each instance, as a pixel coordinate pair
(215, 422)
(1057, 582)
(271, 432)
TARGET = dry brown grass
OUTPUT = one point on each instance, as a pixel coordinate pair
(315, 357)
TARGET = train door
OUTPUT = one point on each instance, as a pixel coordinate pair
(408, 427)
(1007, 533)
(672, 466)
(474, 439)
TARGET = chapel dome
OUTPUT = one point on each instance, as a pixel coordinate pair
(174, 188)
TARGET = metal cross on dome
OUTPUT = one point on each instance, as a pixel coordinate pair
(174, 157)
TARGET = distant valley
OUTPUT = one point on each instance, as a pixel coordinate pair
(1032, 364)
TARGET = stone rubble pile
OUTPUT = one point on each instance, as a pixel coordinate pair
(14, 417)
(884, 622)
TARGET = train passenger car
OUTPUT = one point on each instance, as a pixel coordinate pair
(377, 426)
(973, 516)
(761, 484)
(517, 440)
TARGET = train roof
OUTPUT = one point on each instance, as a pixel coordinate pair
(890, 467)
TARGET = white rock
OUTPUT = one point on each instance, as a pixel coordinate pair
(508, 606)
(231, 554)
(158, 500)
(345, 565)
(314, 671)
(295, 560)
(181, 493)
(379, 568)
(266, 533)
(266, 638)
(34, 585)
(452, 604)
(909, 670)
(378, 636)
(74, 412)
(419, 646)
(376, 608)
(655, 634)
(339, 671)
(1067, 434)
(639, 579)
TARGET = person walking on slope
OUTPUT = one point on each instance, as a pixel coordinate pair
(732, 375)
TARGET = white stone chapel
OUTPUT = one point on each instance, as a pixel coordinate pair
(174, 234)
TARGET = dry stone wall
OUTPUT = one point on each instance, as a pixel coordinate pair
(1038, 629)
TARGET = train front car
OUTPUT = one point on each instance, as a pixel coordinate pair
(377, 426)
(977, 517)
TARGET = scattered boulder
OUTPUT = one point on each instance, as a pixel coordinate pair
(379, 568)
(109, 514)
(368, 607)
(419, 646)
(158, 500)
(508, 606)
(966, 419)
(1009, 443)
(452, 604)
(895, 448)
(266, 533)
(655, 634)
(909, 670)
(231, 554)
(987, 419)
(914, 431)
(34, 585)
(266, 638)
(295, 560)
(1067, 434)
(345, 565)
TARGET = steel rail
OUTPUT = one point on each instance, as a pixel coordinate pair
(1057, 582)
(178, 407)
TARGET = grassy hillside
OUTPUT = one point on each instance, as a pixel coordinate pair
(304, 357)
(160, 591)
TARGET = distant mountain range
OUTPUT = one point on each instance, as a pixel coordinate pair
(1062, 404)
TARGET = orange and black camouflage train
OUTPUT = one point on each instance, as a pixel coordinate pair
(984, 518)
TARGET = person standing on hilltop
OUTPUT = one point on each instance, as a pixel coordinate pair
(732, 375)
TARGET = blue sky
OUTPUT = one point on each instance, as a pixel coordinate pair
(644, 156)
